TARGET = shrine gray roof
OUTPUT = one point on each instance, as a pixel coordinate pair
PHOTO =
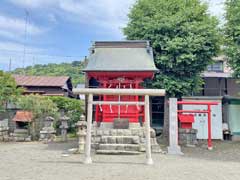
(121, 56)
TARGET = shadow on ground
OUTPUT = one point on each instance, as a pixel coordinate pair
(62, 146)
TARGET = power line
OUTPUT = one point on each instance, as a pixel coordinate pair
(41, 54)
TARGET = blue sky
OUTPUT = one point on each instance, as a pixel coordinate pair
(61, 30)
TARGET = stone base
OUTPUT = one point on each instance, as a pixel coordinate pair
(47, 134)
(4, 135)
(174, 150)
(132, 139)
(236, 138)
(20, 135)
(187, 137)
(109, 125)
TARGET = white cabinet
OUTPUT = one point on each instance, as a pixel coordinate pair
(201, 120)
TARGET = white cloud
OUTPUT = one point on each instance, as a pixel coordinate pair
(34, 3)
(11, 27)
(15, 52)
(17, 47)
(107, 15)
(110, 15)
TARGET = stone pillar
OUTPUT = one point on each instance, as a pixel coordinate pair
(147, 130)
(4, 130)
(64, 126)
(48, 132)
(82, 126)
(173, 147)
(88, 159)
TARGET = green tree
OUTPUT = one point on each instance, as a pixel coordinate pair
(232, 35)
(73, 108)
(74, 70)
(184, 38)
(8, 89)
(40, 107)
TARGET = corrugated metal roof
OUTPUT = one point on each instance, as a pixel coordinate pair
(47, 81)
(121, 44)
(23, 116)
(129, 57)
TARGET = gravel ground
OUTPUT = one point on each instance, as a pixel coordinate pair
(37, 161)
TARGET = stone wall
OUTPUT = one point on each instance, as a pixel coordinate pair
(4, 130)
(187, 137)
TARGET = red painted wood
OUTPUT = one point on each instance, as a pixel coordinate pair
(127, 80)
(208, 111)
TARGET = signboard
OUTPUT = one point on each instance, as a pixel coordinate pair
(121, 124)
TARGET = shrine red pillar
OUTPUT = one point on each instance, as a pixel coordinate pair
(104, 99)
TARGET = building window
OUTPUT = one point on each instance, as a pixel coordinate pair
(216, 67)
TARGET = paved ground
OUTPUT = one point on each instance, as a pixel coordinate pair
(37, 161)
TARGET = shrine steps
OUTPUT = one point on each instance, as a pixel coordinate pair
(122, 141)
(120, 147)
(118, 152)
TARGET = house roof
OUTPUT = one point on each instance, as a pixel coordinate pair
(121, 56)
(48, 81)
(23, 116)
(217, 74)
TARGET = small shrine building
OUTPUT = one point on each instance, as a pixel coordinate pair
(119, 64)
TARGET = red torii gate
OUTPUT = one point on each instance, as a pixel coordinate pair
(208, 112)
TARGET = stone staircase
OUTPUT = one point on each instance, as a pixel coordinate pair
(122, 141)
(20, 135)
(119, 145)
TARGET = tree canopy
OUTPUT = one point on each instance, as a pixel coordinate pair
(74, 70)
(40, 106)
(184, 38)
(8, 89)
(73, 108)
(232, 32)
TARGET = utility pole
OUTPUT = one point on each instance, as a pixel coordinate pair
(33, 64)
(25, 39)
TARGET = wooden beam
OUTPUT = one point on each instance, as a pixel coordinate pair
(118, 103)
(133, 92)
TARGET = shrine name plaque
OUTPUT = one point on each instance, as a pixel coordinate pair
(121, 124)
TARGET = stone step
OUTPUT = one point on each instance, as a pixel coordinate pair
(120, 140)
(118, 152)
(121, 147)
(122, 132)
(21, 131)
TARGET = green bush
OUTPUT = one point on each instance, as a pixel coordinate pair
(73, 108)
(41, 107)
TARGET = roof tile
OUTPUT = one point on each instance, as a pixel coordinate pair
(23, 116)
(52, 81)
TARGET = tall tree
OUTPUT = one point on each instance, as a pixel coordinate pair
(232, 32)
(8, 89)
(184, 38)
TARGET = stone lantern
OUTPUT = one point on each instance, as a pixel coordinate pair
(82, 126)
(48, 132)
(64, 126)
